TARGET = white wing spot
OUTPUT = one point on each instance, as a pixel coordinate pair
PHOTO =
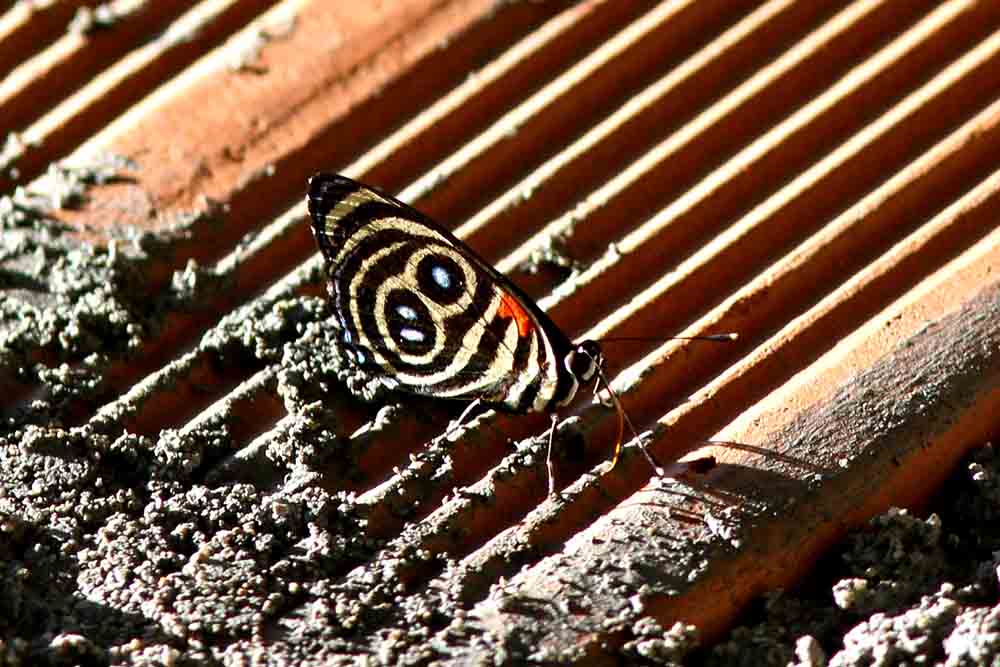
(441, 277)
(412, 335)
(407, 313)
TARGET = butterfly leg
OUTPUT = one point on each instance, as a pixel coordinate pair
(549, 465)
(623, 419)
(657, 469)
(457, 424)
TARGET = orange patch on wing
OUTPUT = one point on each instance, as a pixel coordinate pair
(510, 308)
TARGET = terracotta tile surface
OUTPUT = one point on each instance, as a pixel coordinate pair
(818, 176)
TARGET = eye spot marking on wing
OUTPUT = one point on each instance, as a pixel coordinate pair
(441, 278)
(511, 309)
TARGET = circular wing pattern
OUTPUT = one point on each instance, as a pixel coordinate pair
(419, 311)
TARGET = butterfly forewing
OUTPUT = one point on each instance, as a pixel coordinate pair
(420, 312)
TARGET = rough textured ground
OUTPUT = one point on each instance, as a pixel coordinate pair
(117, 548)
(190, 475)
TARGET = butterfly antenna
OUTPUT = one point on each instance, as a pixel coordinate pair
(715, 338)
(623, 419)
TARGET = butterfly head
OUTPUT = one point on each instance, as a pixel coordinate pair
(583, 363)
(584, 360)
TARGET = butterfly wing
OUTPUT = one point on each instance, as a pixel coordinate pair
(422, 313)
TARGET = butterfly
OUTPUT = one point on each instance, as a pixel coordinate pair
(418, 311)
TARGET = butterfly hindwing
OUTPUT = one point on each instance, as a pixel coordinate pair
(419, 311)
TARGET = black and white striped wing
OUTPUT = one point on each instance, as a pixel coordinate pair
(419, 311)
